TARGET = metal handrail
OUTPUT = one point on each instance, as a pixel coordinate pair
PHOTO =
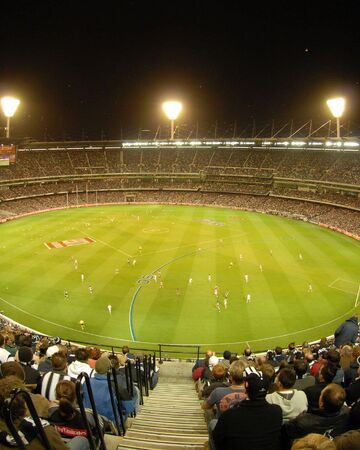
(139, 379)
(116, 405)
(10, 424)
(78, 389)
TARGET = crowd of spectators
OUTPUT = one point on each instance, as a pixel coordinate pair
(47, 370)
(284, 398)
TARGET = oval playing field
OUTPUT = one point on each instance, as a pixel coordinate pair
(302, 279)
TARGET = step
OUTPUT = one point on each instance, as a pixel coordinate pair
(145, 445)
(178, 438)
(169, 429)
(179, 414)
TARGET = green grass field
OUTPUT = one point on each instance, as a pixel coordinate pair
(181, 242)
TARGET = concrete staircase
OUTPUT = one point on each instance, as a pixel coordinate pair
(171, 418)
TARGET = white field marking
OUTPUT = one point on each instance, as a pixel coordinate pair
(108, 245)
(192, 245)
(357, 297)
(59, 325)
(331, 285)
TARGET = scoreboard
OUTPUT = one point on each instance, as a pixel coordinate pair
(7, 154)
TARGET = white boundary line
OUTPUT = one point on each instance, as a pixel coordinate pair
(331, 285)
(108, 245)
(247, 341)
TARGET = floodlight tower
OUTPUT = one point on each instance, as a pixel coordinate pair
(172, 110)
(9, 106)
(337, 106)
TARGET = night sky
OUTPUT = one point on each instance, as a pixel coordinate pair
(103, 69)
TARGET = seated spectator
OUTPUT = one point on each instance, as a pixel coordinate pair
(45, 364)
(333, 358)
(347, 332)
(326, 376)
(94, 355)
(348, 441)
(331, 418)
(4, 354)
(354, 417)
(14, 369)
(345, 356)
(320, 361)
(52, 378)
(80, 364)
(313, 441)
(199, 362)
(126, 351)
(226, 359)
(270, 358)
(248, 353)
(291, 401)
(225, 397)
(101, 393)
(353, 391)
(24, 424)
(279, 354)
(303, 378)
(32, 376)
(219, 380)
(254, 424)
(352, 371)
(66, 417)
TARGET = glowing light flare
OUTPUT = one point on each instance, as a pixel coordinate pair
(172, 109)
(9, 105)
(336, 106)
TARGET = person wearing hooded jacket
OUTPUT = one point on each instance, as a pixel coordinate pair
(347, 332)
(80, 364)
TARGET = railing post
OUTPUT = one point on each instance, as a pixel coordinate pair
(160, 359)
(112, 373)
(78, 390)
(139, 380)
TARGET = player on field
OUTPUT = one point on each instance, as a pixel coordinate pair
(66, 295)
(190, 281)
(310, 288)
(82, 325)
(246, 277)
(241, 257)
(260, 267)
(209, 278)
(231, 265)
(161, 285)
(216, 291)
(140, 249)
(225, 302)
(134, 262)
(109, 307)
(248, 298)
(76, 264)
(117, 271)
(301, 257)
(82, 276)
(155, 277)
(90, 290)
(218, 306)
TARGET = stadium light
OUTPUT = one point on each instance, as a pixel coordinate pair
(172, 110)
(337, 106)
(9, 106)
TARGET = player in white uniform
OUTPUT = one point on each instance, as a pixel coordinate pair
(134, 262)
(76, 264)
(216, 291)
(82, 276)
(109, 307)
(90, 290)
(155, 277)
(246, 278)
(218, 306)
(161, 286)
(260, 267)
(66, 295)
(190, 281)
(248, 298)
(301, 257)
(225, 302)
(82, 325)
(310, 288)
(209, 278)
(231, 265)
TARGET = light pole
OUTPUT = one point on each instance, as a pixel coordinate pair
(337, 106)
(9, 106)
(172, 110)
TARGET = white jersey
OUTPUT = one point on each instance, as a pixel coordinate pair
(246, 278)
(109, 307)
(155, 278)
(248, 298)
(209, 278)
(216, 291)
(82, 277)
(261, 268)
(90, 290)
(190, 280)
(225, 303)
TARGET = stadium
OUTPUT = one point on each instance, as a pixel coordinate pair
(186, 210)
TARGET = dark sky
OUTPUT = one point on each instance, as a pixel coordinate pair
(86, 69)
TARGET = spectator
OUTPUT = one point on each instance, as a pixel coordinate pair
(353, 391)
(80, 364)
(313, 393)
(52, 378)
(351, 372)
(254, 424)
(279, 354)
(94, 355)
(4, 354)
(32, 376)
(347, 332)
(45, 365)
(127, 353)
(348, 441)
(226, 359)
(313, 441)
(331, 418)
(220, 380)
(24, 424)
(66, 417)
(303, 378)
(291, 401)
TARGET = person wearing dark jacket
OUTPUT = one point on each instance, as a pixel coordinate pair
(331, 420)
(347, 332)
(254, 424)
(327, 374)
(24, 356)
